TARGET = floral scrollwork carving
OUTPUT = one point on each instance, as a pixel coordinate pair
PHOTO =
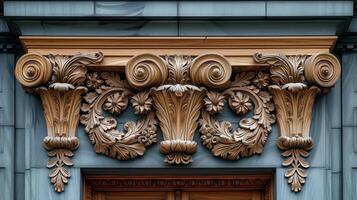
(296, 81)
(110, 93)
(180, 94)
(252, 133)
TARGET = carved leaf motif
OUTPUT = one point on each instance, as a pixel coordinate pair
(142, 103)
(103, 131)
(72, 70)
(178, 114)
(284, 69)
(178, 66)
(296, 174)
(59, 174)
(252, 134)
(243, 79)
(113, 80)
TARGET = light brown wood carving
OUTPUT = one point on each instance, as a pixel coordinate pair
(296, 80)
(178, 103)
(108, 92)
(59, 81)
(180, 95)
(248, 90)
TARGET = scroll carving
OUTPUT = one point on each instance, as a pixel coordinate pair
(296, 80)
(178, 106)
(245, 91)
(108, 92)
(181, 94)
(58, 80)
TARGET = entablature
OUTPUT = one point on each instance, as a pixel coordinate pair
(178, 85)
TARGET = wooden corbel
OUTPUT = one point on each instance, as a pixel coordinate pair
(296, 80)
(59, 81)
(174, 83)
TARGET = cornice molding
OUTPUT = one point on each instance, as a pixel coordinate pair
(179, 90)
(312, 42)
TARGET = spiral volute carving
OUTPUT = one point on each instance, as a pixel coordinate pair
(33, 70)
(322, 69)
(145, 71)
(212, 70)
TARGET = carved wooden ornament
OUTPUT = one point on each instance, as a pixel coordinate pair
(179, 94)
(296, 80)
(59, 82)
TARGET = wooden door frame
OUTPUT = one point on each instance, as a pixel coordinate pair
(102, 183)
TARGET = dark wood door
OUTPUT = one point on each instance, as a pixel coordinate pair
(178, 188)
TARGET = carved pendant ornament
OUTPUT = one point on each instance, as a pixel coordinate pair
(178, 95)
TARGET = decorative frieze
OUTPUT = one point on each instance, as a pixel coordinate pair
(244, 93)
(180, 95)
(109, 93)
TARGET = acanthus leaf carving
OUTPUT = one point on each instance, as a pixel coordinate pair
(178, 110)
(112, 95)
(61, 97)
(252, 133)
(178, 105)
(296, 81)
(296, 149)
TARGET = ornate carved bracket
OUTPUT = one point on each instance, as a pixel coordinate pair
(296, 80)
(181, 94)
(59, 82)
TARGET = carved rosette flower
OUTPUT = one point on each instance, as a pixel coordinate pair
(261, 80)
(252, 133)
(214, 102)
(240, 103)
(102, 130)
(294, 97)
(179, 67)
(116, 103)
(94, 81)
(142, 103)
